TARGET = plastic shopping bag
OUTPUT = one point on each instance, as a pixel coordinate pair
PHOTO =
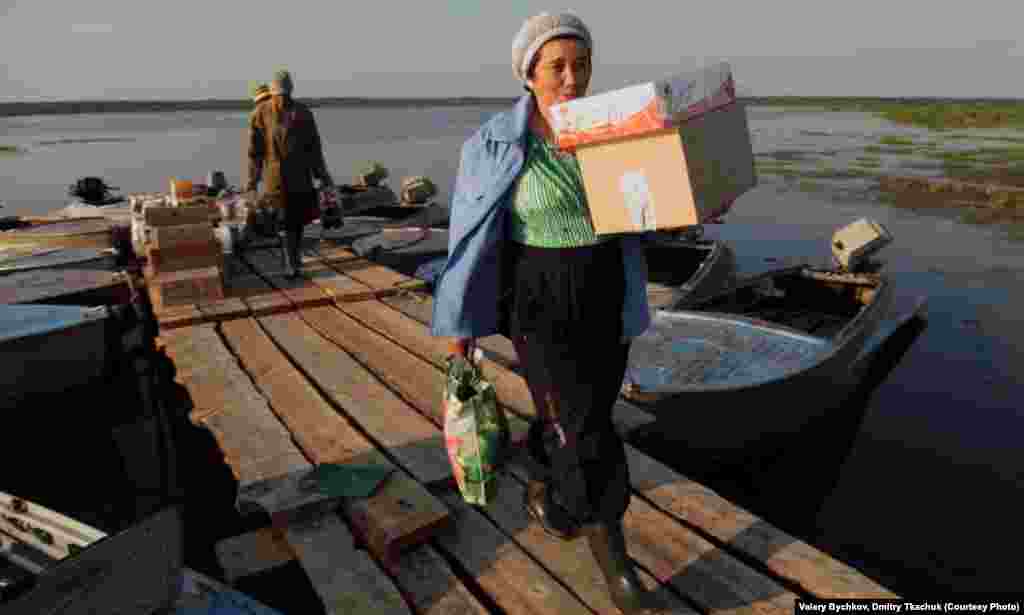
(476, 430)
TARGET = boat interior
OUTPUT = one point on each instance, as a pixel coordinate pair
(672, 264)
(819, 303)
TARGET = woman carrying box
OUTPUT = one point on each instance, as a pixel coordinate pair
(524, 261)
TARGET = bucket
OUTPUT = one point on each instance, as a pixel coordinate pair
(181, 189)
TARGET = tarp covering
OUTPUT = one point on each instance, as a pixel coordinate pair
(20, 321)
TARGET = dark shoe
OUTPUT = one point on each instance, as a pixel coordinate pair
(608, 545)
(540, 507)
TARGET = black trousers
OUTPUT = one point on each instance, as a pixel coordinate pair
(296, 212)
(563, 312)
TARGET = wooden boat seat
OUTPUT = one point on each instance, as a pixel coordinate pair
(685, 349)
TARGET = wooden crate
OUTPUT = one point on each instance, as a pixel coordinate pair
(186, 287)
(184, 255)
(167, 236)
(175, 216)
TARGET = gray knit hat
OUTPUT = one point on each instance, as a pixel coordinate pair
(282, 83)
(540, 29)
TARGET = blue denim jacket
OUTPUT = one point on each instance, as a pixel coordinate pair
(466, 293)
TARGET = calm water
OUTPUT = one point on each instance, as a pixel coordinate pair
(932, 486)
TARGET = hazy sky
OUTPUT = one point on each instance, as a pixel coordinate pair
(210, 49)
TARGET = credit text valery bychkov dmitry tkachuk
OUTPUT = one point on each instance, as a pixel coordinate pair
(904, 607)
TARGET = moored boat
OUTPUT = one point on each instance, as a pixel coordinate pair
(734, 372)
(52, 563)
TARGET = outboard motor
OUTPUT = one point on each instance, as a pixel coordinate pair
(93, 191)
(854, 244)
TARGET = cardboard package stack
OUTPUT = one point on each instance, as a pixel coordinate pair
(661, 155)
(184, 259)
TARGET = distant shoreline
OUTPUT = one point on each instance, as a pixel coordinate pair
(158, 106)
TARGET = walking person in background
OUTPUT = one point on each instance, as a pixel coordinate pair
(285, 152)
(524, 261)
(259, 93)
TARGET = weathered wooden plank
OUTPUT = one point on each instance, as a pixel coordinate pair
(246, 285)
(423, 577)
(253, 552)
(675, 555)
(340, 287)
(510, 386)
(261, 298)
(781, 554)
(181, 316)
(347, 580)
(501, 567)
(363, 270)
(225, 309)
(741, 532)
(706, 574)
(255, 444)
(411, 377)
(652, 531)
(271, 260)
(420, 305)
(410, 438)
(570, 561)
(430, 585)
(300, 291)
(323, 435)
(401, 511)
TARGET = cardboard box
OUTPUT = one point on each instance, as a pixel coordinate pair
(185, 255)
(644, 108)
(167, 236)
(661, 155)
(187, 287)
(175, 216)
(672, 178)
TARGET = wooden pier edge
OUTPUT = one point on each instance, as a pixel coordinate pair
(353, 339)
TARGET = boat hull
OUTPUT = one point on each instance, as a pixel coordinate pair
(49, 348)
(736, 424)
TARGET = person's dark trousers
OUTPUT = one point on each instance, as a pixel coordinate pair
(296, 212)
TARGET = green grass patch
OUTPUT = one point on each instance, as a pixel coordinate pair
(899, 150)
(868, 163)
(1015, 232)
(9, 150)
(807, 185)
(894, 140)
(972, 216)
(934, 114)
(941, 115)
(782, 171)
(847, 173)
(1018, 140)
(980, 155)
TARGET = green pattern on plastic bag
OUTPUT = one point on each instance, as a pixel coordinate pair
(476, 431)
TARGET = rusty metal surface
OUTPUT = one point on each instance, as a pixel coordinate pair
(52, 284)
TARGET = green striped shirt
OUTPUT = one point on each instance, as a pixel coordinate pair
(549, 207)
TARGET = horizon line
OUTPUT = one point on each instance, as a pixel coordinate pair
(56, 107)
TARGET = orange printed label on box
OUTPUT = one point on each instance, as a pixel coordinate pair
(642, 109)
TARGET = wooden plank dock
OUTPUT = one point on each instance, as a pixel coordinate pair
(339, 367)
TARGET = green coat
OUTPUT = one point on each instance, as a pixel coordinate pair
(284, 150)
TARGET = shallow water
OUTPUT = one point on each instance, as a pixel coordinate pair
(932, 485)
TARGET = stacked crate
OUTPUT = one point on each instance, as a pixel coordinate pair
(184, 259)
